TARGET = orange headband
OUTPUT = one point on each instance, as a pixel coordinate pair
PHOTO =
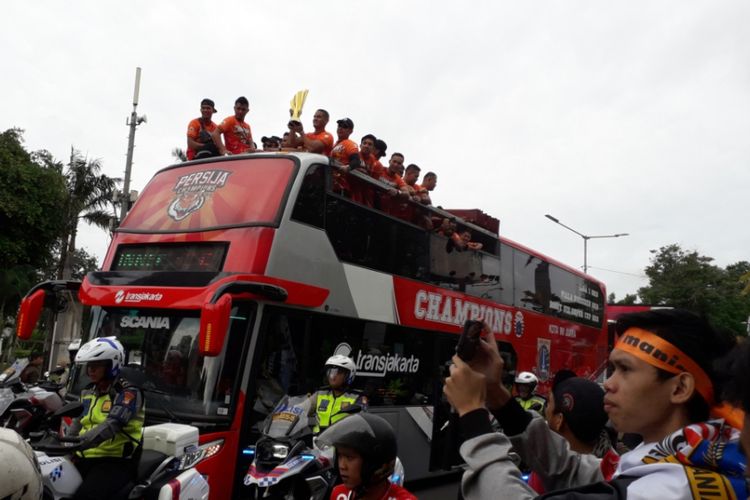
(657, 352)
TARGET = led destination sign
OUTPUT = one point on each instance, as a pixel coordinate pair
(177, 257)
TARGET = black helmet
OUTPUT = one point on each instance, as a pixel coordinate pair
(370, 436)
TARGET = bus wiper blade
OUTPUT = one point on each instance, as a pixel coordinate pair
(164, 406)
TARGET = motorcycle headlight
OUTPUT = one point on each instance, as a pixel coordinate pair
(280, 451)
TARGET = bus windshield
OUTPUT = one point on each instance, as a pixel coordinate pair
(204, 196)
(161, 348)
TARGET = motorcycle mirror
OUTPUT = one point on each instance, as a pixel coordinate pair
(72, 409)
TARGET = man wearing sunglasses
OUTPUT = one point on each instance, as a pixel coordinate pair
(337, 395)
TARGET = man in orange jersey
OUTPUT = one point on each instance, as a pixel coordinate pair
(345, 155)
(429, 182)
(390, 177)
(361, 191)
(403, 209)
(199, 131)
(319, 141)
(410, 179)
(237, 133)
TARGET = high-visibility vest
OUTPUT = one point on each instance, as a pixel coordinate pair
(99, 406)
(536, 403)
(329, 407)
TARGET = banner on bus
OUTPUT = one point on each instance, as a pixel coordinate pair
(423, 306)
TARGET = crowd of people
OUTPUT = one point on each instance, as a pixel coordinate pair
(402, 192)
(670, 372)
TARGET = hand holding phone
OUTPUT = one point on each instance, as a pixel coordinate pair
(468, 343)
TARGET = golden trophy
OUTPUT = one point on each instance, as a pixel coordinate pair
(296, 104)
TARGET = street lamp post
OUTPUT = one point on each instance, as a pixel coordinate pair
(586, 239)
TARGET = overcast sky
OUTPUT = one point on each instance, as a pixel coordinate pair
(613, 117)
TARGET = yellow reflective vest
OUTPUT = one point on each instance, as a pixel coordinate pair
(125, 442)
(329, 406)
(536, 403)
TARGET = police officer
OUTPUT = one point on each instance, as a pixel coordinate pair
(525, 384)
(337, 395)
(111, 423)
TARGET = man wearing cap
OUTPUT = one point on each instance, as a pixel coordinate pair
(663, 387)
(199, 131)
(575, 411)
(380, 148)
(345, 155)
(319, 141)
(272, 143)
(237, 133)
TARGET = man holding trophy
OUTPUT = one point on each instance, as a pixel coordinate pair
(319, 141)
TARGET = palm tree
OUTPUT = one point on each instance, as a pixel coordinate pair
(90, 193)
(179, 154)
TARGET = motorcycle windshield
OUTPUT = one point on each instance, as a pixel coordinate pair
(161, 348)
(293, 415)
(11, 374)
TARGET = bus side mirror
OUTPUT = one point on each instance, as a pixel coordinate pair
(28, 314)
(214, 325)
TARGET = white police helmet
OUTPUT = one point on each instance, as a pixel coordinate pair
(527, 378)
(103, 349)
(22, 478)
(345, 362)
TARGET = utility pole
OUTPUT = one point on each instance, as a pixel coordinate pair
(133, 122)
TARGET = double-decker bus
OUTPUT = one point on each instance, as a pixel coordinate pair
(233, 279)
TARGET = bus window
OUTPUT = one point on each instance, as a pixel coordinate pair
(162, 358)
(532, 282)
(395, 365)
(369, 238)
(310, 204)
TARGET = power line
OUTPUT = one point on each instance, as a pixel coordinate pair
(619, 272)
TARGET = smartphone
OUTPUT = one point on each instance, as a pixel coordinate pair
(469, 340)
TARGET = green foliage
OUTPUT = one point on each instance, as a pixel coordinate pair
(688, 280)
(179, 154)
(629, 299)
(31, 195)
(89, 197)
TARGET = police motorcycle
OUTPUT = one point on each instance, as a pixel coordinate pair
(165, 469)
(25, 408)
(287, 464)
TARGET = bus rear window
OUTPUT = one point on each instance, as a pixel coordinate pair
(247, 191)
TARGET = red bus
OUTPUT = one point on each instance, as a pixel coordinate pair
(233, 279)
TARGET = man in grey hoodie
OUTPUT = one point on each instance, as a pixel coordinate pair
(662, 387)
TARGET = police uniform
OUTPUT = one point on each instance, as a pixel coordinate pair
(536, 403)
(112, 425)
(328, 406)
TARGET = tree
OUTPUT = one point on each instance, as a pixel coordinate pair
(89, 194)
(32, 190)
(30, 198)
(179, 154)
(688, 280)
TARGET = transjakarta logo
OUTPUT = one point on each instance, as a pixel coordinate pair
(144, 322)
(448, 310)
(378, 365)
(135, 297)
